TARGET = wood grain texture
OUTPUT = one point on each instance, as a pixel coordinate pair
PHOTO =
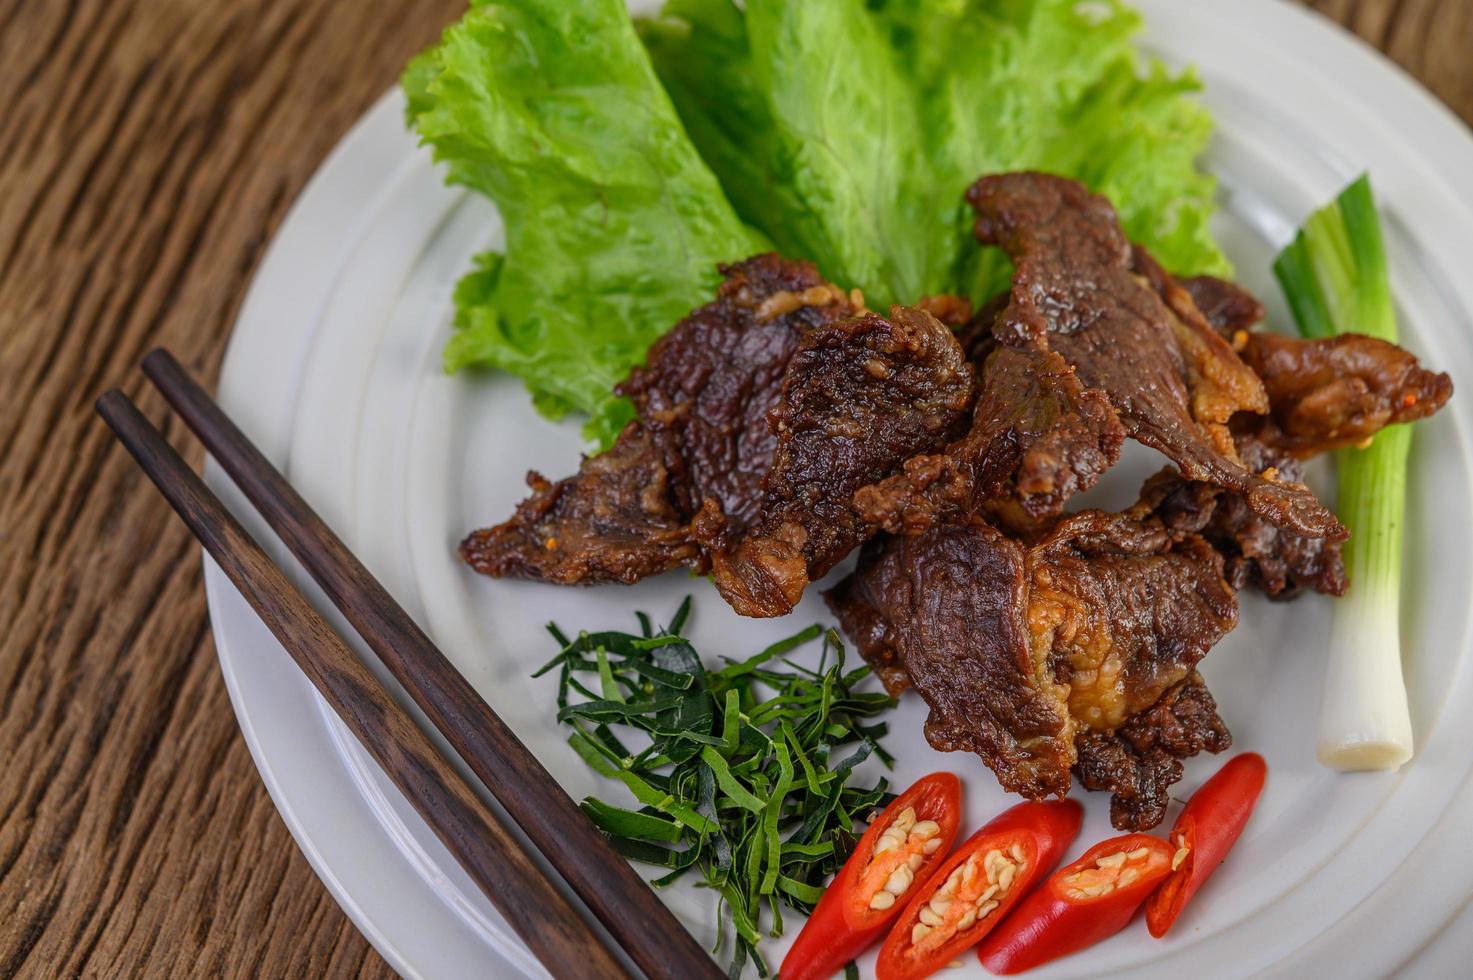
(148, 150)
(540, 914)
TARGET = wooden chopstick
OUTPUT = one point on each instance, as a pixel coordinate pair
(540, 914)
(628, 908)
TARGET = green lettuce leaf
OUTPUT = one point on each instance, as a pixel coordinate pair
(843, 131)
(614, 224)
(848, 130)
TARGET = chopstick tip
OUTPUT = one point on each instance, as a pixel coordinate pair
(156, 359)
(109, 402)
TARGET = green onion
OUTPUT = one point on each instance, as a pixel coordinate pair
(735, 776)
(1335, 276)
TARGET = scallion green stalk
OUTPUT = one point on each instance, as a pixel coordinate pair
(1335, 277)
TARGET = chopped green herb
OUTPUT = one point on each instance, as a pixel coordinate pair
(739, 780)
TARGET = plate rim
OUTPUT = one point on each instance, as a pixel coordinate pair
(1380, 73)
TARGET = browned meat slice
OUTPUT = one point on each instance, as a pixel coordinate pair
(708, 385)
(613, 522)
(1138, 763)
(1219, 383)
(1227, 307)
(1128, 608)
(859, 398)
(1081, 290)
(1340, 391)
(949, 611)
(1021, 653)
(1323, 393)
(758, 416)
(1037, 438)
(701, 435)
(1280, 563)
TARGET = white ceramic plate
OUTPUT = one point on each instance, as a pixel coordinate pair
(334, 370)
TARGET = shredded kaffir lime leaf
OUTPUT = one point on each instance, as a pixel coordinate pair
(745, 779)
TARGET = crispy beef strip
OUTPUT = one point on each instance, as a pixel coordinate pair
(1038, 437)
(1220, 384)
(701, 434)
(1082, 291)
(615, 521)
(859, 398)
(1324, 392)
(1330, 392)
(1279, 563)
(1025, 653)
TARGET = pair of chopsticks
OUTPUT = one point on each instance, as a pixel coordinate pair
(536, 908)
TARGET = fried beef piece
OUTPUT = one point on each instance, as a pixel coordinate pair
(947, 611)
(1129, 609)
(708, 385)
(1339, 391)
(1327, 392)
(1038, 437)
(614, 522)
(758, 416)
(1138, 763)
(1279, 563)
(1219, 383)
(1082, 291)
(859, 398)
(1322, 393)
(1021, 652)
(701, 440)
(1227, 307)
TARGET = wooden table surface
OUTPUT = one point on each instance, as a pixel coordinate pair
(148, 151)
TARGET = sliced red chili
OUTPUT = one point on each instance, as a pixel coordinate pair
(977, 887)
(1206, 830)
(899, 852)
(1090, 900)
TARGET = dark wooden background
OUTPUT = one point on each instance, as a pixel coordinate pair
(148, 150)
